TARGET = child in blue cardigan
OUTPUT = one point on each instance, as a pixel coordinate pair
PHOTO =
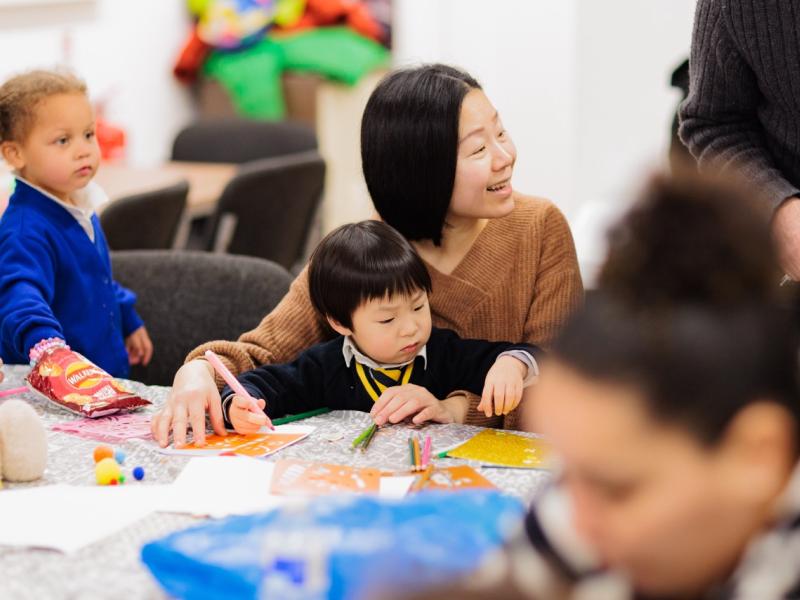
(55, 271)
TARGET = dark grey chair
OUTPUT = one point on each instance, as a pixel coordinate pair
(188, 298)
(145, 221)
(236, 140)
(267, 209)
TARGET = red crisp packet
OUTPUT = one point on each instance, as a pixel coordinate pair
(74, 382)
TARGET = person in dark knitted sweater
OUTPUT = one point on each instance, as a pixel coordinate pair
(370, 285)
(743, 108)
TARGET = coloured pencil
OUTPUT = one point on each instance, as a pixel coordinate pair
(420, 482)
(363, 435)
(426, 451)
(300, 416)
(368, 439)
(417, 455)
(411, 452)
(12, 391)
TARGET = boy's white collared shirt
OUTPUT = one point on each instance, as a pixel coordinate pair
(350, 351)
(87, 199)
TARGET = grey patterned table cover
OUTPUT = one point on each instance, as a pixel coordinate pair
(111, 567)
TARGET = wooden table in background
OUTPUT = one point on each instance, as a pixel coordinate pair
(206, 182)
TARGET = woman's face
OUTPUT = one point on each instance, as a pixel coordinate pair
(486, 155)
(671, 514)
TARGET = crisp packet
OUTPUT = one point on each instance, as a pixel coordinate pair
(74, 382)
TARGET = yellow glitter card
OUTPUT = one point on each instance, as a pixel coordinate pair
(497, 447)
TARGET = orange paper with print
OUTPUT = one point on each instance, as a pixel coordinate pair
(456, 478)
(307, 478)
(255, 445)
(502, 448)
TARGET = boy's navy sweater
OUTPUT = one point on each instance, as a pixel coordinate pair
(56, 282)
(319, 377)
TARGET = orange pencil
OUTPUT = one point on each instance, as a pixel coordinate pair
(417, 456)
(422, 479)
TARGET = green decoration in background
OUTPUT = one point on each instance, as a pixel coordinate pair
(252, 77)
(335, 52)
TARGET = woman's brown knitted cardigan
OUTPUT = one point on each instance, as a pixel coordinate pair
(518, 282)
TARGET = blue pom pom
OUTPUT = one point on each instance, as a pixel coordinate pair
(138, 473)
(119, 456)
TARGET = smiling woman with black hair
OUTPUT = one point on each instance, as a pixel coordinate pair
(438, 165)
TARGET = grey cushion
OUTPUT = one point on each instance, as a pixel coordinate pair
(188, 298)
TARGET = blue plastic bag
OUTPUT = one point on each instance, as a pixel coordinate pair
(335, 547)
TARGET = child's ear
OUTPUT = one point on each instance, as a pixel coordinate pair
(12, 154)
(338, 327)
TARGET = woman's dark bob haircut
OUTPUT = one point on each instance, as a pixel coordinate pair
(359, 262)
(409, 144)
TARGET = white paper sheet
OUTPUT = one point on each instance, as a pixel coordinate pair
(396, 487)
(219, 486)
(66, 518)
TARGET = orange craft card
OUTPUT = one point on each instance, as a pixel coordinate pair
(456, 478)
(255, 445)
(307, 478)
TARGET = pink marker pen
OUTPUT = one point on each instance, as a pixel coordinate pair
(235, 385)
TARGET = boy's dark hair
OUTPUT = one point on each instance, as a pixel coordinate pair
(359, 262)
(409, 145)
(688, 309)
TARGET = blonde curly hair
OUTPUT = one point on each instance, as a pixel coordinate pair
(20, 96)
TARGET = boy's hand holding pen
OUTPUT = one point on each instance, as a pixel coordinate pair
(246, 413)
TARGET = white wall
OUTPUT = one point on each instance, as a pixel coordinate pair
(124, 51)
(626, 52)
(582, 85)
(523, 52)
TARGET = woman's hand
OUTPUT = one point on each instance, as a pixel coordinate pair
(502, 390)
(193, 393)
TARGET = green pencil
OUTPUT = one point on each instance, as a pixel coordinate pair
(368, 439)
(300, 416)
(363, 435)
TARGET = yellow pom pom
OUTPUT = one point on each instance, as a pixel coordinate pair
(106, 471)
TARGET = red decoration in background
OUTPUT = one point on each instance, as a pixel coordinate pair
(331, 12)
(191, 58)
(111, 140)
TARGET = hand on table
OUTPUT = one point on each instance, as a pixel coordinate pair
(502, 390)
(194, 392)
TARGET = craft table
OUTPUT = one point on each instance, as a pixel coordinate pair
(111, 568)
